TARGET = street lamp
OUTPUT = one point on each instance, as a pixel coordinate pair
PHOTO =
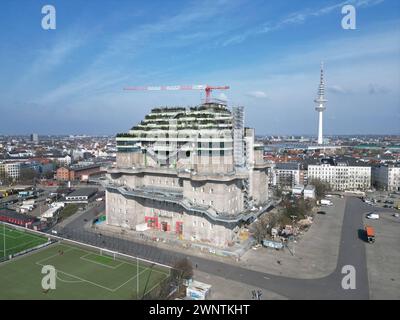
(293, 219)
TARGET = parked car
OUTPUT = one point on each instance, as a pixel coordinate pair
(373, 216)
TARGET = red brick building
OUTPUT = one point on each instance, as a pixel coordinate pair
(77, 173)
(62, 174)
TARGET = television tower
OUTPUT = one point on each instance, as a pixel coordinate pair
(320, 101)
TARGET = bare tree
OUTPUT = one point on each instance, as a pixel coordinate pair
(182, 270)
(321, 187)
(260, 228)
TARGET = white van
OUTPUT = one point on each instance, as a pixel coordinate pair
(373, 216)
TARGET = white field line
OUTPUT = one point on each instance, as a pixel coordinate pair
(138, 275)
(21, 244)
(84, 280)
(52, 256)
(82, 244)
(20, 235)
(157, 284)
(122, 261)
(94, 253)
(99, 263)
(91, 282)
(68, 281)
(81, 279)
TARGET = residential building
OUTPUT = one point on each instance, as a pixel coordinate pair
(287, 174)
(62, 174)
(297, 190)
(386, 177)
(77, 172)
(341, 174)
(10, 170)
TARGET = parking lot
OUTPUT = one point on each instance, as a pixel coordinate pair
(384, 199)
(383, 256)
(315, 254)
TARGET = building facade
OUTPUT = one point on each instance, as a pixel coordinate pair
(286, 175)
(194, 173)
(386, 177)
(62, 174)
(76, 173)
(10, 171)
(341, 176)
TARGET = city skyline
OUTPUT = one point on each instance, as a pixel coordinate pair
(70, 80)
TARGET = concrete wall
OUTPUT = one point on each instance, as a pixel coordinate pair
(223, 197)
(213, 164)
(259, 186)
(130, 159)
(128, 212)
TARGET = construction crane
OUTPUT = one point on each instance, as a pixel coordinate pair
(208, 89)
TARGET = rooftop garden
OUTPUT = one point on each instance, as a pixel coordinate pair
(126, 135)
(166, 109)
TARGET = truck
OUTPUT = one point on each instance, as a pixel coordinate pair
(370, 233)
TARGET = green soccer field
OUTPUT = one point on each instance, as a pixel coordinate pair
(14, 240)
(81, 274)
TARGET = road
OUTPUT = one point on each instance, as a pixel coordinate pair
(351, 252)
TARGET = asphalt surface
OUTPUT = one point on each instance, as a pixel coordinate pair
(351, 252)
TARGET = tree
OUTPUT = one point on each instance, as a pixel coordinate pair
(161, 292)
(321, 187)
(260, 228)
(182, 270)
(272, 222)
(278, 192)
(27, 175)
(299, 208)
(48, 174)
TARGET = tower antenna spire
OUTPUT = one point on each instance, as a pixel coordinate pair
(320, 101)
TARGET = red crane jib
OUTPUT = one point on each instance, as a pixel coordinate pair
(206, 88)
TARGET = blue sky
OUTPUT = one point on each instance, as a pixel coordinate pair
(70, 80)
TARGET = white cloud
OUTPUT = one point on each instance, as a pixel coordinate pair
(336, 89)
(295, 18)
(257, 94)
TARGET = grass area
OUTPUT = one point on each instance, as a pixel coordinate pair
(68, 211)
(81, 274)
(15, 240)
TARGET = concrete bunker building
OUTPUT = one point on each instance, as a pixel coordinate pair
(196, 173)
